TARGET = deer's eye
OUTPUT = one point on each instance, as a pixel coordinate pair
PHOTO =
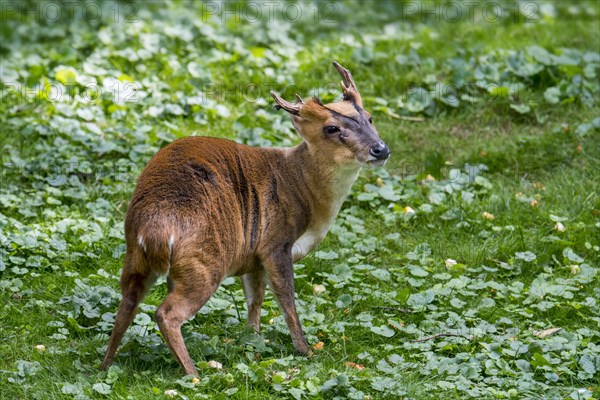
(371, 120)
(330, 130)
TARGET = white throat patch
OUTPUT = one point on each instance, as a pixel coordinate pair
(342, 182)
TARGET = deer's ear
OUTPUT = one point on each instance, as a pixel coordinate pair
(292, 108)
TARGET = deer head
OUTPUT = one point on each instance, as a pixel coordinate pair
(343, 131)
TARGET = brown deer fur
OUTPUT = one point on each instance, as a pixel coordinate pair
(207, 208)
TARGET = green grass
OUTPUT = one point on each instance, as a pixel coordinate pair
(61, 237)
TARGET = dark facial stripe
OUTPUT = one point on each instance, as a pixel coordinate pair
(357, 108)
(339, 115)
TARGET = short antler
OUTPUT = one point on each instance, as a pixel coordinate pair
(348, 86)
(292, 108)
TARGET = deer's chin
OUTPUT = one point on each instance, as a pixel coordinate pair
(376, 163)
(371, 162)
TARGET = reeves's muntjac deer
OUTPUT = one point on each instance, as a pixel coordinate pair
(206, 208)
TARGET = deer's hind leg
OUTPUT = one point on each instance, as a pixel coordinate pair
(135, 282)
(191, 285)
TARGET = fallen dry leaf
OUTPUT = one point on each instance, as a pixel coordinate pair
(547, 332)
(359, 367)
(575, 269)
(319, 346)
(215, 364)
(318, 289)
(539, 185)
(487, 215)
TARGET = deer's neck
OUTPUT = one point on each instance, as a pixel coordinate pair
(325, 182)
(325, 185)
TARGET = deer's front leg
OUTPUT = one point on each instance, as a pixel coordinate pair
(279, 269)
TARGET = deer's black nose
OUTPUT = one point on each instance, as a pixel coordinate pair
(380, 151)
